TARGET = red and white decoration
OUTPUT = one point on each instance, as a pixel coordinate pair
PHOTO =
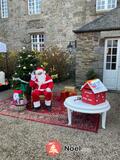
(93, 92)
(42, 84)
(16, 96)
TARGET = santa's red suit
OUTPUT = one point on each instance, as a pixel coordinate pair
(42, 84)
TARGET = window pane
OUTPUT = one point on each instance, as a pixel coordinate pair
(115, 42)
(108, 58)
(114, 51)
(100, 4)
(114, 58)
(109, 43)
(111, 4)
(113, 66)
(108, 66)
(109, 51)
(34, 47)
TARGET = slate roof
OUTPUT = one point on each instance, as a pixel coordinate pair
(110, 21)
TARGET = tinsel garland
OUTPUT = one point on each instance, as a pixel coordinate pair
(19, 79)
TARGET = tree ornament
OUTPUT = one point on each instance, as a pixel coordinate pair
(31, 64)
(24, 67)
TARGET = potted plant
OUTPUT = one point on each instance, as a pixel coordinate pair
(19, 100)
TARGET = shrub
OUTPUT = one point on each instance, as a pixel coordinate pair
(56, 62)
(91, 74)
(12, 60)
(8, 65)
(2, 62)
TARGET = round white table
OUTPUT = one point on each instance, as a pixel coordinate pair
(74, 103)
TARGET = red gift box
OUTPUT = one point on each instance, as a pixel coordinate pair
(64, 94)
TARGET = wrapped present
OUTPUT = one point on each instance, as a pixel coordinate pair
(67, 91)
(69, 88)
(74, 93)
(64, 94)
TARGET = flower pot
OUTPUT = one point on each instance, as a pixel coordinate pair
(20, 107)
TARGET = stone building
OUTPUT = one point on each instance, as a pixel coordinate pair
(98, 45)
(54, 19)
(36, 24)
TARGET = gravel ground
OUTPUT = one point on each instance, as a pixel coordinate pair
(26, 140)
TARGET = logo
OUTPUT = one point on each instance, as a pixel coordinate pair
(53, 148)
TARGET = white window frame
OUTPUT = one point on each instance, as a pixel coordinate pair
(117, 55)
(4, 8)
(34, 7)
(106, 6)
(38, 42)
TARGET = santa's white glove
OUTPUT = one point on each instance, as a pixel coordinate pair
(48, 90)
(33, 76)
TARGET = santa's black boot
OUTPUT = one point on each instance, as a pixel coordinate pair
(49, 108)
(36, 109)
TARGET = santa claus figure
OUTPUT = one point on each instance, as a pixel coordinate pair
(42, 84)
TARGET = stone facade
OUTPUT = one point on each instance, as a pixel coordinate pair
(57, 21)
(90, 55)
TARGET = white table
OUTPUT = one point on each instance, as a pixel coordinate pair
(74, 103)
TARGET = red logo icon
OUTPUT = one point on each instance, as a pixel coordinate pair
(53, 148)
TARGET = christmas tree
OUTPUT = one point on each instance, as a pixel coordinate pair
(26, 63)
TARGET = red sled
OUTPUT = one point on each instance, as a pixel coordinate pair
(93, 92)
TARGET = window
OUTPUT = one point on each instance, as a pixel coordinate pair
(34, 6)
(105, 4)
(37, 42)
(111, 54)
(4, 8)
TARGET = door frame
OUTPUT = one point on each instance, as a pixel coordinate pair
(117, 62)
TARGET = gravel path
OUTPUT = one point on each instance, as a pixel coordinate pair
(26, 140)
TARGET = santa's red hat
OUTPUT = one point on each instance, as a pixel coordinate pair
(40, 70)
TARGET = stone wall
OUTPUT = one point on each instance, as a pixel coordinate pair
(57, 20)
(90, 55)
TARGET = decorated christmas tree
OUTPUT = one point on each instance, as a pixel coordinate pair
(26, 63)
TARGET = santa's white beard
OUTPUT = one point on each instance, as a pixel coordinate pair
(41, 79)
